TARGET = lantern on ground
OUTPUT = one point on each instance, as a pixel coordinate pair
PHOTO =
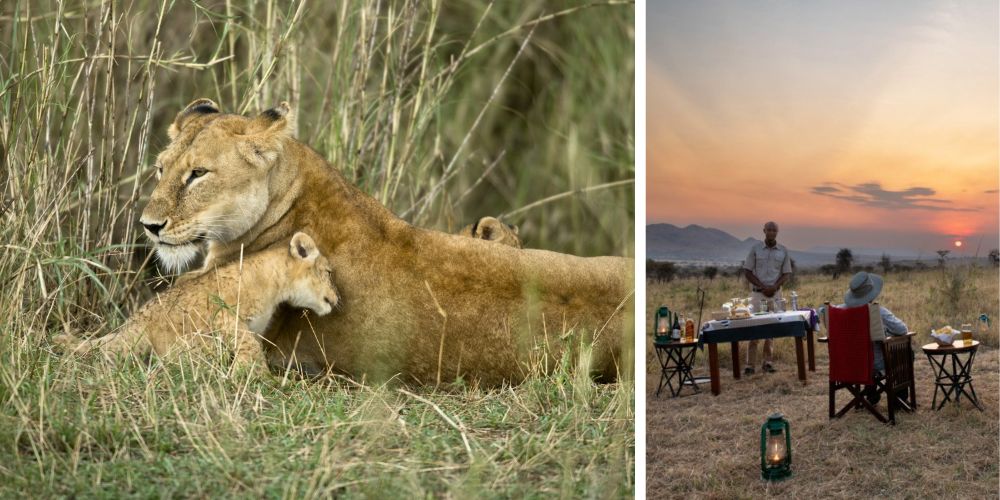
(661, 325)
(775, 448)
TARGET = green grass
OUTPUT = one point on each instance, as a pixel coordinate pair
(187, 428)
(445, 111)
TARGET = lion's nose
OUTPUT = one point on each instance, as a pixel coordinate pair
(153, 227)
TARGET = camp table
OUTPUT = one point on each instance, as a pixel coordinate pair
(795, 324)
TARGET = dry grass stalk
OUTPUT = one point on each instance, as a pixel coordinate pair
(393, 95)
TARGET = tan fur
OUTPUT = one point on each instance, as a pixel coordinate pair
(236, 302)
(424, 304)
(492, 229)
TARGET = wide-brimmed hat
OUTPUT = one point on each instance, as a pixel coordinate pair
(863, 289)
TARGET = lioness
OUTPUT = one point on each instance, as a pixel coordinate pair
(491, 229)
(238, 299)
(423, 304)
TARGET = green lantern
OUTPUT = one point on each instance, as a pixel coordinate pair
(661, 325)
(775, 448)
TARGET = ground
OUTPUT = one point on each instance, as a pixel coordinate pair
(706, 446)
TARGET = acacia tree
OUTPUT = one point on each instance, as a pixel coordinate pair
(666, 271)
(885, 264)
(660, 271)
(710, 272)
(941, 256)
(845, 258)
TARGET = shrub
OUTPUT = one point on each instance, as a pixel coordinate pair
(954, 289)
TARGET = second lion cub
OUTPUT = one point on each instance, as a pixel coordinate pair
(233, 302)
(492, 229)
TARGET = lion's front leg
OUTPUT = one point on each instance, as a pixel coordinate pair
(127, 340)
(247, 350)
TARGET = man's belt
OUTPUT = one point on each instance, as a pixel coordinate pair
(758, 289)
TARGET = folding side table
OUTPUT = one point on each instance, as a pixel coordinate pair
(952, 374)
(676, 360)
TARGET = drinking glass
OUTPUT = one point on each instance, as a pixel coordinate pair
(967, 334)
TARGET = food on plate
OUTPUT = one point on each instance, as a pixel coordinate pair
(947, 329)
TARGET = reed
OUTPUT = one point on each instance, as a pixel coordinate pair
(444, 111)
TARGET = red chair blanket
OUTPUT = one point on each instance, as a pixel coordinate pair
(851, 355)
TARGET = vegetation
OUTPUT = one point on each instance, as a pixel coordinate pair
(844, 260)
(885, 263)
(942, 255)
(445, 112)
(710, 272)
(660, 271)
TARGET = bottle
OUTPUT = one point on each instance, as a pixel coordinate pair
(689, 330)
(795, 301)
(676, 333)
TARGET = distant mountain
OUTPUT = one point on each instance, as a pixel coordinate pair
(696, 244)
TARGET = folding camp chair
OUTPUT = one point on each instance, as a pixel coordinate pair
(898, 385)
(851, 332)
(851, 357)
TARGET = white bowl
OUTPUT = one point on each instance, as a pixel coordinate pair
(945, 339)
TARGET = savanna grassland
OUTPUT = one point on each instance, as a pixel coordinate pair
(444, 111)
(708, 446)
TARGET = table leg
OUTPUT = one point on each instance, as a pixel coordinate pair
(662, 357)
(811, 350)
(964, 379)
(686, 375)
(937, 368)
(735, 349)
(675, 371)
(800, 358)
(713, 367)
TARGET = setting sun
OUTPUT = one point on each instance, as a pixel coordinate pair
(958, 244)
(821, 127)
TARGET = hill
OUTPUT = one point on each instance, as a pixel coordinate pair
(699, 245)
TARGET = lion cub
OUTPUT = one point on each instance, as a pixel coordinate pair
(491, 229)
(232, 302)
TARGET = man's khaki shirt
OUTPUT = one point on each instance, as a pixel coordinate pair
(768, 263)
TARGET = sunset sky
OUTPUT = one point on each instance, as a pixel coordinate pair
(850, 123)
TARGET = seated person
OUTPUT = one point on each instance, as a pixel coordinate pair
(864, 289)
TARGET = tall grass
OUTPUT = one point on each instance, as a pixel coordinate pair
(444, 111)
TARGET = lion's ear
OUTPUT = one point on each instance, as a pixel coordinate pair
(197, 107)
(262, 139)
(275, 121)
(303, 247)
(489, 228)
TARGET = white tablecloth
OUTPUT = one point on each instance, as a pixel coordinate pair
(762, 319)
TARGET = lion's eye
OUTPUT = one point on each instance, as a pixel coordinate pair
(196, 173)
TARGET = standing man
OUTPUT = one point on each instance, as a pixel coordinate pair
(767, 267)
